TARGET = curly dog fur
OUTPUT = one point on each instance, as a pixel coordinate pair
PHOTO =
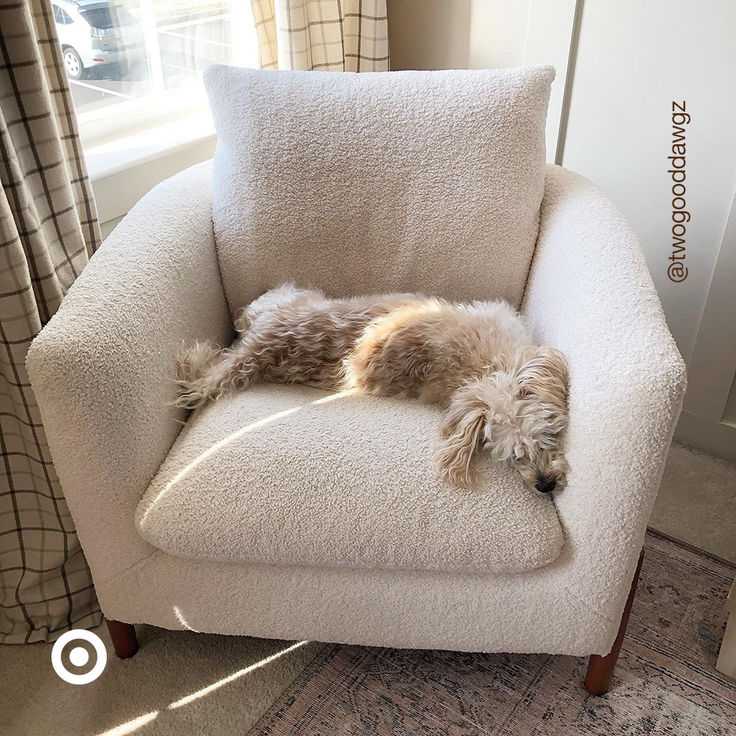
(500, 390)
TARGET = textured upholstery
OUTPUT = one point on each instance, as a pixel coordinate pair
(590, 294)
(295, 475)
(362, 183)
(102, 368)
(534, 611)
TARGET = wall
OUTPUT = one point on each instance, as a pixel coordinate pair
(428, 34)
(634, 58)
(457, 34)
(498, 33)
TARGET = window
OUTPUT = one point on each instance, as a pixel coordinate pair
(107, 17)
(136, 64)
(61, 16)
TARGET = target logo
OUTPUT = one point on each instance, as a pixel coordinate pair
(84, 643)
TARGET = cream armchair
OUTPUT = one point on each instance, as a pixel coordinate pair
(287, 513)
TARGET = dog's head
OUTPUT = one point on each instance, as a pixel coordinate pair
(518, 414)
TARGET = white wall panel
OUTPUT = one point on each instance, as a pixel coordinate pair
(635, 57)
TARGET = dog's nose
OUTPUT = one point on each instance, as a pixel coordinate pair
(546, 485)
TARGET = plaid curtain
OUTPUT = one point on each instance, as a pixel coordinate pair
(48, 230)
(331, 35)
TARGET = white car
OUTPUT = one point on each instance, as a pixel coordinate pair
(96, 32)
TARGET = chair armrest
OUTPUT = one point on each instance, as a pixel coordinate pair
(590, 295)
(102, 369)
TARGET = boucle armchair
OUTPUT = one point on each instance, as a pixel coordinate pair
(286, 512)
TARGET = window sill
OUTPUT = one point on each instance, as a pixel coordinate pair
(124, 169)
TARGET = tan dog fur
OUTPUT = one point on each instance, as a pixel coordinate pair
(500, 390)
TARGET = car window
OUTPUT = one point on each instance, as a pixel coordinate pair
(61, 16)
(112, 16)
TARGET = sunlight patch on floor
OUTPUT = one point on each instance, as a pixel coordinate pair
(235, 675)
(134, 724)
(130, 726)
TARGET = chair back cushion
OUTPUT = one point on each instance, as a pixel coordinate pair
(390, 181)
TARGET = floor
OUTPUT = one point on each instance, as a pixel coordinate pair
(664, 684)
(179, 684)
(697, 501)
(223, 685)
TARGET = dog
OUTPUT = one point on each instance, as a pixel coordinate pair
(500, 391)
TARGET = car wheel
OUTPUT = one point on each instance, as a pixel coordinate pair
(72, 63)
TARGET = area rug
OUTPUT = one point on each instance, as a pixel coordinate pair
(665, 682)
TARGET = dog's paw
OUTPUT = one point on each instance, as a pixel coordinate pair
(190, 400)
(192, 363)
(193, 360)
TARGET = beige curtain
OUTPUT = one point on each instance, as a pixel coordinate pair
(48, 230)
(331, 35)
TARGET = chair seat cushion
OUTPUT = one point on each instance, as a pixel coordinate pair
(293, 475)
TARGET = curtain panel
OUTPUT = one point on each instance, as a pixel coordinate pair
(48, 230)
(326, 35)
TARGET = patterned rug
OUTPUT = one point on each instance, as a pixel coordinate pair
(665, 681)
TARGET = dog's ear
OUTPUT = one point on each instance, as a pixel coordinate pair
(461, 435)
(544, 376)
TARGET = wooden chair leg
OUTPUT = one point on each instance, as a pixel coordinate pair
(600, 669)
(123, 638)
